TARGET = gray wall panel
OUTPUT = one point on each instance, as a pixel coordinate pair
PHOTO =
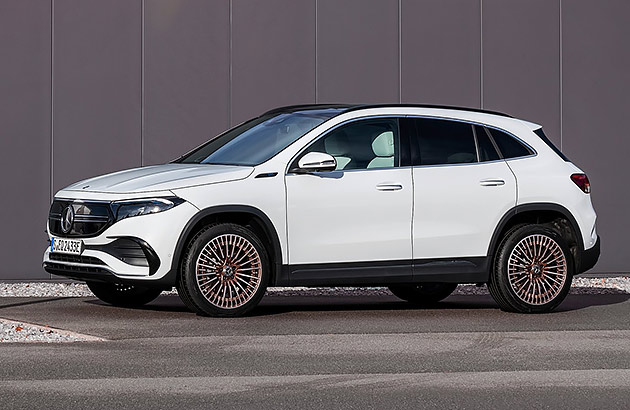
(186, 75)
(24, 136)
(96, 87)
(207, 65)
(357, 44)
(273, 55)
(444, 68)
(521, 66)
(596, 103)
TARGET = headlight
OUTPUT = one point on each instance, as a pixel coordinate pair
(137, 207)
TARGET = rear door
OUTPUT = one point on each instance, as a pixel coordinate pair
(462, 190)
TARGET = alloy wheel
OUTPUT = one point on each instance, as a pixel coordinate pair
(228, 271)
(537, 269)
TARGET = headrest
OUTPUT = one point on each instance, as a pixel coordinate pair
(337, 144)
(383, 145)
(460, 158)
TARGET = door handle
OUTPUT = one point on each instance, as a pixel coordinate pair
(492, 182)
(389, 186)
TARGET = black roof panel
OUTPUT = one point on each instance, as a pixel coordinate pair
(355, 107)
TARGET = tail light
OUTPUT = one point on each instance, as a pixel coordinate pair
(581, 180)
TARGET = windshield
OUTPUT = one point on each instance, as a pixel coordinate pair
(255, 141)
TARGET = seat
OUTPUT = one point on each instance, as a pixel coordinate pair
(383, 147)
(337, 145)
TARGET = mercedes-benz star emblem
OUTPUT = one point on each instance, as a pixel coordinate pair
(67, 219)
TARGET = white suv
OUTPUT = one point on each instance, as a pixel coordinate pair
(416, 198)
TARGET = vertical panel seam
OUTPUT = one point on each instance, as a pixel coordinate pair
(316, 52)
(481, 54)
(230, 68)
(400, 51)
(560, 70)
(142, 86)
(52, 101)
(52, 95)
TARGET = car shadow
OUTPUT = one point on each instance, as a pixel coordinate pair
(277, 304)
(6, 302)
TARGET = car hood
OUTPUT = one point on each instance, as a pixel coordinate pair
(161, 178)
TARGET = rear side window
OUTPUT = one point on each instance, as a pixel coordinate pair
(444, 142)
(509, 146)
(543, 137)
(487, 151)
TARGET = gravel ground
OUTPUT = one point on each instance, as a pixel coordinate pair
(47, 289)
(20, 332)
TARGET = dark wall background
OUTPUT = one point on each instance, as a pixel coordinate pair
(93, 86)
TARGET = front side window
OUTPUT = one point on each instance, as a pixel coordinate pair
(443, 142)
(258, 140)
(363, 144)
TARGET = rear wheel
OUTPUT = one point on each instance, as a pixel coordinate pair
(123, 295)
(423, 293)
(532, 271)
(225, 271)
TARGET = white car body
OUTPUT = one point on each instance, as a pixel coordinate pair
(363, 226)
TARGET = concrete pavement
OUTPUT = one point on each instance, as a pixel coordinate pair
(327, 351)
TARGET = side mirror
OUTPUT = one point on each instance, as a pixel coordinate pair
(316, 161)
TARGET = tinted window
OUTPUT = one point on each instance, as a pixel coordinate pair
(487, 152)
(256, 141)
(508, 145)
(444, 142)
(543, 137)
(362, 144)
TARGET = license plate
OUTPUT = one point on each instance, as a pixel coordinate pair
(62, 245)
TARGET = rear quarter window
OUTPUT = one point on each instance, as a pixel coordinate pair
(547, 141)
(509, 146)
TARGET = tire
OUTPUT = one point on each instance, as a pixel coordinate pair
(224, 272)
(423, 293)
(123, 295)
(532, 270)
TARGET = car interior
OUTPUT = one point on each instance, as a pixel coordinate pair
(361, 146)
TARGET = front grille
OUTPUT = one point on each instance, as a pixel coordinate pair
(90, 218)
(62, 257)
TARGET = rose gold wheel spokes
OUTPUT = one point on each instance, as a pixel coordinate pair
(228, 271)
(537, 269)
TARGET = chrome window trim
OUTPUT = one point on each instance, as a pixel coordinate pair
(460, 164)
(535, 153)
(425, 116)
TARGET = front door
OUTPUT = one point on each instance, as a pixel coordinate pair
(353, 223)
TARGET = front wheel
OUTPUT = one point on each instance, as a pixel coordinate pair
(225, 271)
(423, 293)
(532, 271)
(123, 295)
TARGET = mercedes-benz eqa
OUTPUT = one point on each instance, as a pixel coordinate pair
(416, 198)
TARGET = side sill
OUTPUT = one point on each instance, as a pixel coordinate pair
(383, 273)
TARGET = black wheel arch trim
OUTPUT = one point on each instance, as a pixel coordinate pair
(170, 278)
(538, 206)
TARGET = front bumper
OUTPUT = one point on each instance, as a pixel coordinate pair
(589, 257)
(150, 263)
